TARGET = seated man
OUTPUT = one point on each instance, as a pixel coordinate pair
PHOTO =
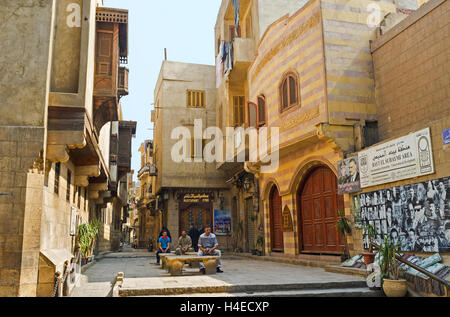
(207, 244)
(184, 244)
(163, 245)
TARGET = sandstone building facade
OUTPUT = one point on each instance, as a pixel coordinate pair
(65, 148)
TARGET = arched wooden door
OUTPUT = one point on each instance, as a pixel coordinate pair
(318, 202)
(276, 230)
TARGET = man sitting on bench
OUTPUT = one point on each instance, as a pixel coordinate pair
(184, 244)
(163, 245)
(207, 245)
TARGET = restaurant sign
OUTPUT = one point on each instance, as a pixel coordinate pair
(403, 158)
(196, 198)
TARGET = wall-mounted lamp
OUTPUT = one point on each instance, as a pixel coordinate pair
(247, 184)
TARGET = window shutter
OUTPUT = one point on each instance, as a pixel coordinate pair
(261, 110)
(285, 94)
(252, 115)
(292, 90)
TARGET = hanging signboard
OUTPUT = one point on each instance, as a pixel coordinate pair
(407, 157)
(222, 222)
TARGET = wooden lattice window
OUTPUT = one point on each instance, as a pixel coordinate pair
(195, 98)
(289, 94)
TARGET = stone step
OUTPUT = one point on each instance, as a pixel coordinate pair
(333, 292)
(303, 259)
(174, 290)
(347, 270)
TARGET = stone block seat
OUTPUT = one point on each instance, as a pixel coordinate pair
(164, 256)
(175, 264)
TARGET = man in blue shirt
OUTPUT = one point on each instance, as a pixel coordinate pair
(163, 245)
(207, 244)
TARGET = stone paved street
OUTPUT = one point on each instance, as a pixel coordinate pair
(141, 273)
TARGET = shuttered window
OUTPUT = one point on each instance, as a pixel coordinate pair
(261, 111)
(238, 108)
(289, 94)
(195, 98)
(252, 110)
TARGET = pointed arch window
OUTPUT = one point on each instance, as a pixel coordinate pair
(289, 91)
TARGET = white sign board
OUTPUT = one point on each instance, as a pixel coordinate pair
(407, 157)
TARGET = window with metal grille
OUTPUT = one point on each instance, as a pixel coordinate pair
(57, 175)
(196, 148)
(238, 108)
(79, 197)
(69, 183)
(195, 98)
(289, 94)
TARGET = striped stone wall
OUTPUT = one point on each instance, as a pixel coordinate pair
(348, 59)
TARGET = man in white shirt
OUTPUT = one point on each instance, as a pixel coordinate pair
(207, 245)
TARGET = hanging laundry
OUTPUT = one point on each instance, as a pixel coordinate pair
(236, 15)
(219, 70)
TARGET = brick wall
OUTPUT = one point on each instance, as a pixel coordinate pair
(412, 69)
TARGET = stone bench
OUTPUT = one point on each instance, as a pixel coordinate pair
(164, 256)
(175, 264)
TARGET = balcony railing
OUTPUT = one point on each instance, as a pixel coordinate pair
(122, 84)
(150, 169)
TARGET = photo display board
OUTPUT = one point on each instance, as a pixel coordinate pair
(418, 214)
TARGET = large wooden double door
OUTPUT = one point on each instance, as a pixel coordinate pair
(195, 216)
(276, 226)
(318, 202)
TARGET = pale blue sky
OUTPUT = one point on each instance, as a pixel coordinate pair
(185, 28)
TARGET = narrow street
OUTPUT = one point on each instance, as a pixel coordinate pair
(242, 277)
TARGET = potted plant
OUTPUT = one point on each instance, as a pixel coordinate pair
(344, 228)
(393, 286)
(86, 238)
(369, 257)
(259, 245)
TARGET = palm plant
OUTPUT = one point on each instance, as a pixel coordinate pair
(343, 226)
(389, 265)
(86, 237)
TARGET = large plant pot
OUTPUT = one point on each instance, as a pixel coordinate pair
(369, 258)
(395, 288)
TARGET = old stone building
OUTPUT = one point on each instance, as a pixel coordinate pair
(64, 149)
(309, 75)
(236, 43)
(188, 188)
(149, 220)
(399, 199)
